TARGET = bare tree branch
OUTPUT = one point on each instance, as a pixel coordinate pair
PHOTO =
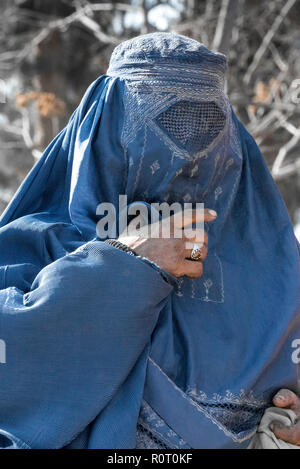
(81, 16)
(93, 26)
(276, 168)
(267, 40)
(223, 33)
(287, 170)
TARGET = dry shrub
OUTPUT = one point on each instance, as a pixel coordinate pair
(48, 104)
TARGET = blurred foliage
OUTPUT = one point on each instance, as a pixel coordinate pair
(47, 104)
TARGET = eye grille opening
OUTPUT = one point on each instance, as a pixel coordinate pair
(193, 126)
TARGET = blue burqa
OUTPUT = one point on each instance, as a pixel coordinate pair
(95, 342)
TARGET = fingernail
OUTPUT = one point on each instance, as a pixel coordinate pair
(279, 397)
(212, 213)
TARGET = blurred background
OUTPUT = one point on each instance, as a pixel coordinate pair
(51, 50)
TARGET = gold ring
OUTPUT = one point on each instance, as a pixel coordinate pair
(196, 253)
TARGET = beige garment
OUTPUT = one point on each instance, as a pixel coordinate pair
(264, 438)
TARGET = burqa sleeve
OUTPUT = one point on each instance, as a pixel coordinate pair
(69, 343)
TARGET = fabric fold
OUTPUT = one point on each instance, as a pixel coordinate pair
(71, 343)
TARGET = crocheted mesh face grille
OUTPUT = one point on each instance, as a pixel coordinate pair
(192, 125)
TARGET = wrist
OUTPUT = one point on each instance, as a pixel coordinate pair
(135, 243)
(121, 246)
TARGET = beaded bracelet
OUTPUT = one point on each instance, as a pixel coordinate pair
(123, 247)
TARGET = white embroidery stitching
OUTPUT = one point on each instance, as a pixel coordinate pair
(197, 398)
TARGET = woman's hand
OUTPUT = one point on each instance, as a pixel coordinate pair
(174, 254)
(287, 399)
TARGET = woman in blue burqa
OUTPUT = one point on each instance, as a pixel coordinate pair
(144, 343)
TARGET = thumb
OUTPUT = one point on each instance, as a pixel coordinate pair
(287, 399)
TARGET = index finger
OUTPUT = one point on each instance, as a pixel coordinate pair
(188, 217)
